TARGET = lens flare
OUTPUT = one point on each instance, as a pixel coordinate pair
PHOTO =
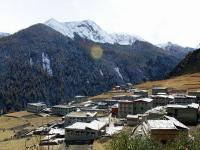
(96, 52)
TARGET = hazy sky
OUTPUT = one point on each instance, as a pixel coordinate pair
(157, 21)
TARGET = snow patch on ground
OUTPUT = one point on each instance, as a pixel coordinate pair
(31, 61)
(118, 72)
(101, 72)
(46, 64)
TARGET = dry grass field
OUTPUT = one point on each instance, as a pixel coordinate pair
(30, 122)
(184, 82)
(108, 95)
(19, 114)
(14, 122)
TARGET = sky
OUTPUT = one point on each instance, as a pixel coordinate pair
(156, 21)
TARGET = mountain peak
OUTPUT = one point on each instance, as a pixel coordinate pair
(88, 29)
(2, 34)
(125, 39)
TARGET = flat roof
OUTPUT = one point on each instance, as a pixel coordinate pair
(170, 123)
(37, 104)
(163, 96)
(94, 125)
(132, 116)
(157, 88)
(176, 122)
(135, 96)
(63, 106)
(176, 106)
(192, 105)
(148, 100)
(81, 114)
(183, 96)
(161, 124)
(125, 101)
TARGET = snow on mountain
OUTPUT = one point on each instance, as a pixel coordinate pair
(2, 34)
(198, 46)
(124, 39)
(175, 49)
(90, 30)
(46, 64)
(118, 72)
(168, 44)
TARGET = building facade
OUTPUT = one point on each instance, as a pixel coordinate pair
(36, 107)
(79, 116)
(62, 109)
(81, 131)
(142, 93)
(162, 100)
(138, 106)
(184, 99)
(159, 90)
(187, 114)
(165, 129)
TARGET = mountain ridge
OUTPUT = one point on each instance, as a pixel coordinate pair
(91, 31)
(39, 63)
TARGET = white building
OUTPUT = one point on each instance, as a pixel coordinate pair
(132, 120)
(62, 109)
(36, 107)
(165, 129)
(143, 93)
(157, 90)
(138, 106)
(79, 116)
(184, 99)
(81, 131)
(162, 100)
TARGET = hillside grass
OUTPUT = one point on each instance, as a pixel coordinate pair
(108, 95)
(13, 122)
(183, 82)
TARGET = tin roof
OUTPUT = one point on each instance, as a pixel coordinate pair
(94, 125)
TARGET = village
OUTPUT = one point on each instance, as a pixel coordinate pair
(159, 112)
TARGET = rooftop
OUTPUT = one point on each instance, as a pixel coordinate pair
(162, 96)
(125, 101)
(148, 100)
(37, 104)
(81, 114)
(170, 123)
(132, 116)
(63, 106)
(158, 88)
(94, 125)
(192, 105)
(135, 96)
(161, 124)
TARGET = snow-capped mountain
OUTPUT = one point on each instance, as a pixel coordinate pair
(124, 39)
(2, 34)
(175, 49)
(90, 30)
(169, 45)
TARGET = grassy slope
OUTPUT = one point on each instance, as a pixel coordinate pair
(108, 95)
(18, 119)
(183, 82)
